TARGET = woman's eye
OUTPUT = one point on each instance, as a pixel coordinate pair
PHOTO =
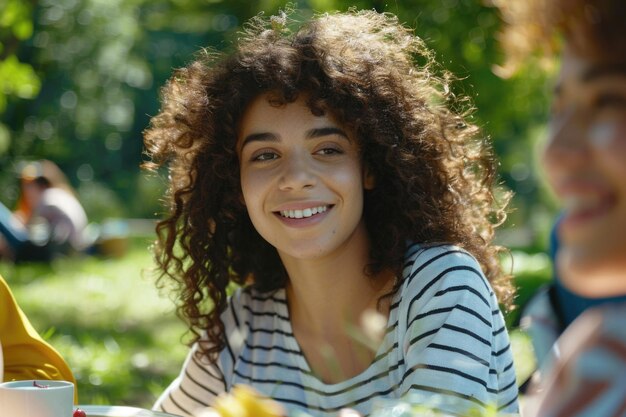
(264, 156)
(329, 151)
(611, 101)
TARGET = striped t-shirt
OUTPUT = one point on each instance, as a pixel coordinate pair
(446, 346)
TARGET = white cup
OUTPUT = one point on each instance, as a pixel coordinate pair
(25, 399)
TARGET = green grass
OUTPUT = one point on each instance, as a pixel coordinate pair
(120, 336)
(123, 339)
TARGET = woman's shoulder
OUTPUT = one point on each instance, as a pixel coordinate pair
(420, 256)
(438, 267)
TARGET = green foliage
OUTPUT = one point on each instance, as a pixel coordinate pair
(100, 202)
(530, 271)
(15, 17)
(5, 139)
(16, 78)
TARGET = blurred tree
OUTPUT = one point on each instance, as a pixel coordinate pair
(83, 79)
(16, 78)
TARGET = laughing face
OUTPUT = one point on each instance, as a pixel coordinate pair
(302, 179)
(585, 163)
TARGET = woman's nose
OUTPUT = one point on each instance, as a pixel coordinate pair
(568, 141)
(297, 173)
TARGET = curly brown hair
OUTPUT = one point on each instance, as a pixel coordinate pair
(596, 28)
(431, 167)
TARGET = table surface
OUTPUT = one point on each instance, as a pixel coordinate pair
(120, 411)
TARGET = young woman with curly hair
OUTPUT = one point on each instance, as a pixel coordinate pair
(320, 170)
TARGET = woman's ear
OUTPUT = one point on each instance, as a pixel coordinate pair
(369, 181)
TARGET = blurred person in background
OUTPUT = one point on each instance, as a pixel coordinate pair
(584, 372)
(49, 219)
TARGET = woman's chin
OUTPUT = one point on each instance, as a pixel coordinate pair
(592, 274)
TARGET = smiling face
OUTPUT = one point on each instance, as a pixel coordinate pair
(585, 163)
(302, 179)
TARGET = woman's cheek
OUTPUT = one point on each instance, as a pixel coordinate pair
(620, 135)
(608, 138)
(603, 135)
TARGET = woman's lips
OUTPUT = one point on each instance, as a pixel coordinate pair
(583, 208)
(584, 197)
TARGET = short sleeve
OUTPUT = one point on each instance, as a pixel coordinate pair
(455, 344)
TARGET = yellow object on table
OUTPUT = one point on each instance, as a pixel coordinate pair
(26, 354)
(243, 401)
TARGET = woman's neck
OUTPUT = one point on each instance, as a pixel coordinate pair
(328, 292)
(327, 299)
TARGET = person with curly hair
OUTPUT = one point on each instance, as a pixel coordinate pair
(577, 324)
(318, 172)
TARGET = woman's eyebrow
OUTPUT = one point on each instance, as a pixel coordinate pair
(326, 131)
(259, 137)
(310, 134)
(606, 70)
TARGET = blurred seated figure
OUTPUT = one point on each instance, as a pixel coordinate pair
(49, 219)
(26, 354)
(584, 160)
(579, 336)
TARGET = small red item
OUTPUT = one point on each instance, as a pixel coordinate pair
(79, 413)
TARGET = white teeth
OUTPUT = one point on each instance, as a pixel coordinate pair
(299, 214)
